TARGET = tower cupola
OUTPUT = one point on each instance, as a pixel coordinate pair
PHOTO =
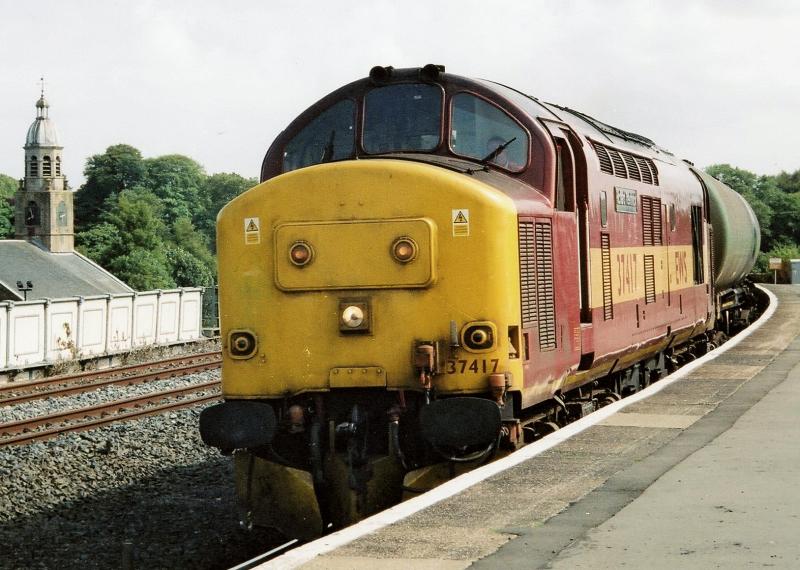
(43, 211)
(42, 131)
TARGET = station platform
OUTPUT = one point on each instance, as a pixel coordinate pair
(697, 471)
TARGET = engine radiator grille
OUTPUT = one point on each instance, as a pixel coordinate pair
(536, 274)
(605, 262)
(649, 279)
(626, 165)
(527, 273)
(651, 221)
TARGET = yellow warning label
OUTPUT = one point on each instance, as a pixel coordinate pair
(460, 219)
(252, 231)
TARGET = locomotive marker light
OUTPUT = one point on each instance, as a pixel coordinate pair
(241, 344)
(301, 253)
(404, 249)
(479, 336)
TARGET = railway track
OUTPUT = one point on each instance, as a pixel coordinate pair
(67, 384)
(42, 427)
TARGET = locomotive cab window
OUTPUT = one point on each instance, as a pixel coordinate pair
(478, 129)
(402, 118)
(330, 136)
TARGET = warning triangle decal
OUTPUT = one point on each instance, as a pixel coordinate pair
(460, 219)
(252, 227)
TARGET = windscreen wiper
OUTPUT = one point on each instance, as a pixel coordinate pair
(496, 152)
(327, 154)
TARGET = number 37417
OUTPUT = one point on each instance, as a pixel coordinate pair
(475, 365)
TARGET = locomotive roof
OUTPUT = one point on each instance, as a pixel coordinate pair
(515, 102)
(580, 121)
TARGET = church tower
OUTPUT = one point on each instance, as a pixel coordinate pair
(43, 210)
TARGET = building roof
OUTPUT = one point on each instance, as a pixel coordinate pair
(54, 275)
(42, 131)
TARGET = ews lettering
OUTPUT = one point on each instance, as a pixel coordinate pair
(681, 268)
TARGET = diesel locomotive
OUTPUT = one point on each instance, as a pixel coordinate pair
(434, 268)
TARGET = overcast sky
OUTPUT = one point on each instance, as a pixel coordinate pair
(712, 81)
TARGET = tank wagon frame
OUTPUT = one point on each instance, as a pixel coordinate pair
(434, 267)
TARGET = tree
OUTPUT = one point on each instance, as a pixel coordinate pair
(186, 237)
(177, 181)
(100, 242)
(221, 188)
(119, 168)
(8, 187)
(186, 269)
(788, 182)
(137, 218)
(143, 269)
(129, 240)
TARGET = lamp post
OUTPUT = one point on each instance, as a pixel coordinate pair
(25, 288)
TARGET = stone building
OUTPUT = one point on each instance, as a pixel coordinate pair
(44, 202)
(43, 252)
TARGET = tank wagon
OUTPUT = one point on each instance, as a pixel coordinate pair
(433, 267)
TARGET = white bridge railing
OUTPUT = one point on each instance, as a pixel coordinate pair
(46, 331)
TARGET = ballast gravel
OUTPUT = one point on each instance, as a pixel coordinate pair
(106, 394)
(147, 491)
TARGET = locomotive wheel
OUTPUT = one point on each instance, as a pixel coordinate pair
(538, 430)
(608, 399)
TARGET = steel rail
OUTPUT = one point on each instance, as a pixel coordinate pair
(105, 407)
(105, 372)
(109, 419)
(159, 374)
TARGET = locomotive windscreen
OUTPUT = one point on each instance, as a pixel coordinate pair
(330, 136)
(403, 117)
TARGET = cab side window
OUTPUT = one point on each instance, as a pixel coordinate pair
(479, 130)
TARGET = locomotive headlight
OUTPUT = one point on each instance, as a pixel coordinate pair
(242, 344)
(301, 253)
(479, 336)
(354, 316)
(404, 249)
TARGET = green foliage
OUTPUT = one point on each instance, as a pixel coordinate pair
(186, 237)
(143, 269)
(221, 188)
(157, 214)
(100, 242)
(177, 181)
(788, 182)
(188, 270)
(8, 186)
(119, 168)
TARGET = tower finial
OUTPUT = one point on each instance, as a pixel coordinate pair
(41, 79)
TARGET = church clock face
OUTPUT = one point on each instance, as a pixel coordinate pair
(61, 213)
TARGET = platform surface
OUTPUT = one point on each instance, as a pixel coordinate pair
(700, 475)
